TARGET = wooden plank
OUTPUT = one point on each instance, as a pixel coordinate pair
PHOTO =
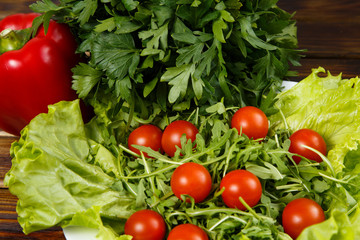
(327, 28)
(321, 40)
(9, 226)
(349, 68)
(9, 230)
(7, 205)
(328, 11)
(8, 7)
(5, 161)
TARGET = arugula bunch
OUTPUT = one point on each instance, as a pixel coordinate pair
(176, 55)
(88, 184)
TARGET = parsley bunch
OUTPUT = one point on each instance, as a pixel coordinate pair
(176, 55)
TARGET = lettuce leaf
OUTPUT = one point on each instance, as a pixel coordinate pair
(339, 226)
(329, 105)
(326, 104)
(58, 172)
(91, 219)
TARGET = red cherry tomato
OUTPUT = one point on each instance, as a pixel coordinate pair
(173, 132)
(251, 121)
(145, 225)
(299, 214)
(192, 179)
(240, 183)
(187, 232)
(308, 138)
(145, 135)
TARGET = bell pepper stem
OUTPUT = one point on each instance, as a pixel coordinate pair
(12, 40)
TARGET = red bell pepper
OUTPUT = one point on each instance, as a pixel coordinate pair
(36, 75)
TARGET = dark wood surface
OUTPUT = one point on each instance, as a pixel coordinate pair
(328, 29)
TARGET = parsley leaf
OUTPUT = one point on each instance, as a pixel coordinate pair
(85, 9)
(116, 54)
(85, 79)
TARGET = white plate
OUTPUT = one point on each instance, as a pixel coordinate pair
(288, 84)
(79, 233)
(82, 233)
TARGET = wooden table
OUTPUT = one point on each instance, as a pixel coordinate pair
(328, 29)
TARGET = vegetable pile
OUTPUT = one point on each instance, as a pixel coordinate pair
(183, 94)
(78, 180)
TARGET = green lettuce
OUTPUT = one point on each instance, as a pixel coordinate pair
(339, 226)
(326, 104)
(57, 173)
(91, 218)
(329, 105)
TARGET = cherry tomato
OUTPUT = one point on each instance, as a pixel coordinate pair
(251, 121)
(308, 138)
(187, 231)
(240, 183)
(192, 179)
(299, 214)
(145, 135)
(173, 132)
(145, 225)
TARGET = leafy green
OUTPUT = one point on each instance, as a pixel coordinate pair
(80, 171)
(339, 226)
(58, 172)
(328, 105)
(157, 61)
(187, 54)
(91, 220)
